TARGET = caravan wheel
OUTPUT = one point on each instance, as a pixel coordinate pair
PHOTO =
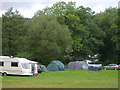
(4, 74)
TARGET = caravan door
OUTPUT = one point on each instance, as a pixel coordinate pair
(33, 68)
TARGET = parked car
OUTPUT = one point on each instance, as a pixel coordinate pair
(39, 68)
(111, 67)
(93, 65)
(119, 67)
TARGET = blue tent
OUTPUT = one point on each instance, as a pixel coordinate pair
(44, 69)
(56, 66)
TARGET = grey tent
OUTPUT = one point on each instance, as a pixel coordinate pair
(56, 66)
(78, 65)
(44, 69)
(71, 65)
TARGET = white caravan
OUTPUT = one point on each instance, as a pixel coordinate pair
(17, 66)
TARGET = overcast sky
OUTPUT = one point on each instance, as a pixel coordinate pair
(27, 8)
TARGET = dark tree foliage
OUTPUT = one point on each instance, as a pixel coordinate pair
(108, 23)
(12, 30)
(64, 32)
(87, 36)
(47, 39)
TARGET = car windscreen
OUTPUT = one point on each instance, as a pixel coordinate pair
(25, 65)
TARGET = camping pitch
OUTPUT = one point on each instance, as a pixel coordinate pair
(56, 66)
(84, 65)
(78, 65)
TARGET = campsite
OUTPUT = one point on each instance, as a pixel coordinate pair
(56, 75)
(65, 44)
(64, 79)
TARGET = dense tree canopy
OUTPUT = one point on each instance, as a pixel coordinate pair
(108, 22)
(64, 32)
(47, 39)
(12, 30)
(87, 36)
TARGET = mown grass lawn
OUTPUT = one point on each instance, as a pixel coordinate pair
(64, 79)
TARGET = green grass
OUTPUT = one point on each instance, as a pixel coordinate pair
(64, 79)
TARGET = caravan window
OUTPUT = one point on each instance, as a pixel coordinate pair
(25, 65)
(14, 64)
(1, 63)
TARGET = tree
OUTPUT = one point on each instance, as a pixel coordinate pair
(86, 34)
(12, 30)
(108, 23)
(47, 39)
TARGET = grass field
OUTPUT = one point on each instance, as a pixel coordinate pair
(64, 79)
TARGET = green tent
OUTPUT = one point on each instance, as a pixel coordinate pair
(44, 69)
(56, 66)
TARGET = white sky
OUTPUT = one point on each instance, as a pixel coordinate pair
(27, 8)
